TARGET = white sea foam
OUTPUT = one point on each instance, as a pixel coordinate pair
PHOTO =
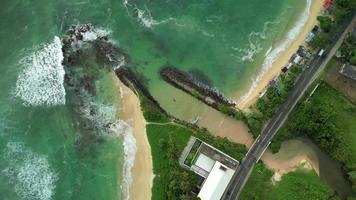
(273, 54)
(144, 16)
(123, 130)
(98, 113)
(95, 34)
(41, 81)
(254, 46)
(30, 173)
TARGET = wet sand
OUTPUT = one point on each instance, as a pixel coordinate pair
(142, 171)
(283, 59)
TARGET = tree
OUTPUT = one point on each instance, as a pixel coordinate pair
(325, 23)
(353, 60)
(319, 41)
(351, 4)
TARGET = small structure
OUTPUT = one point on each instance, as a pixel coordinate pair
(214, 168)
(297, 59)
(327, 4)
(303, 52)
(315, 29)
(309, 37)
(349, 71)
(284, 69)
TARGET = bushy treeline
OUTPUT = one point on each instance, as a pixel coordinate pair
(348, 49)
(267, 105)
(332, 24)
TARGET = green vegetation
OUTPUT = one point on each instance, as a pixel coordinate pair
(267, 105)
(329, 119)
(191, 156)
(195, 94)
(150, 111)
(348, 49)
(227, 110)
(343, 9)
(325, 23)
(300, 184)
(319, 41)
(167, 143)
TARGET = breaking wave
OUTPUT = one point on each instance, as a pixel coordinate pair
(286, 42)
(104, 119)
(144, 16)
(30, 173)
(94, 34)
(254, 46)
(42, 80)
(273, 54)
(123, 130)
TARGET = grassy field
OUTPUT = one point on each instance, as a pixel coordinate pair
(158, 134)
(297, 185)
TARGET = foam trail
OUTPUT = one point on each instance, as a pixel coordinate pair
(273, 55)
(42, 80)
(30, 173)
(122, 129)
(254, 46)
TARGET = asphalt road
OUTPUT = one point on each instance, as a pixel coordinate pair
(242, 174)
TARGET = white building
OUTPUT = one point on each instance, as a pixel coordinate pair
(217, 177)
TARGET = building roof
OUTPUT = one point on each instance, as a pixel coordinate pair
(327, 4)
(204, 162)
(349, 71)
(309, 37)
(216, 183)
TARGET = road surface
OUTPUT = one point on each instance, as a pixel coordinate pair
(242, 174)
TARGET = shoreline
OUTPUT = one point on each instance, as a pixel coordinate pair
(256, 89)
(142, 171)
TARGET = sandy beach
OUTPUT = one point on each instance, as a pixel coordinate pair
(283, 59)
(142, 172)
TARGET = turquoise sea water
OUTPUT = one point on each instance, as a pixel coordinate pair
(41, 142)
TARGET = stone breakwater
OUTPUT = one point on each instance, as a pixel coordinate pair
(204, 93)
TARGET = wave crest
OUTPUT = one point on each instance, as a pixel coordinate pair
(30, 173)
(42, 80)
(122, 129)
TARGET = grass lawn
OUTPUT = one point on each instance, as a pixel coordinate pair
(300, 184)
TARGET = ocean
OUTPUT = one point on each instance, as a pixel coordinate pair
(53, 147)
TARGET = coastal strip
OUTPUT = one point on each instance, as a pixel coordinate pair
(142, 171)
(262, 81)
